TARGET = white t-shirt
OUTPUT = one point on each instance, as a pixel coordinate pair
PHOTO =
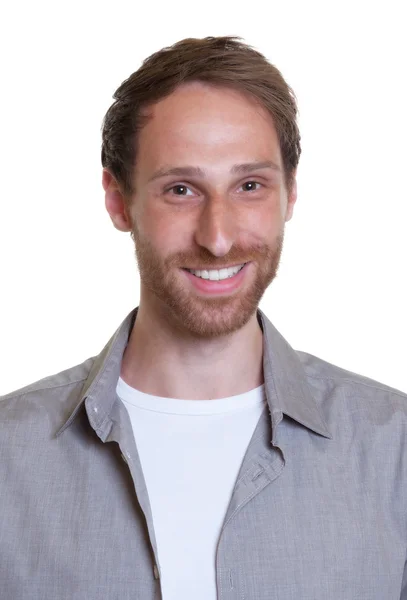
(191, 452)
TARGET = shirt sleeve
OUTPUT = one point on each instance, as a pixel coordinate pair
(403, 595)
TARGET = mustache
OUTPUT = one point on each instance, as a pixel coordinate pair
(206, 259)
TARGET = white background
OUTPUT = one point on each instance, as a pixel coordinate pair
(68, 278)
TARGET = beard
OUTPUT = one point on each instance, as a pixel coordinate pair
(164, 287)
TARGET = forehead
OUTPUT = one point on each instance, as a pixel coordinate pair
(203, 122)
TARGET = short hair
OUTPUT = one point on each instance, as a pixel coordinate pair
(223, 61)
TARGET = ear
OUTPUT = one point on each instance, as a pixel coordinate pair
(115, 202)
(292, 198)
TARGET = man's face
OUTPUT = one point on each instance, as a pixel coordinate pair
(216, 220)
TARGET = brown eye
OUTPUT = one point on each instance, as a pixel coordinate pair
(180, 188)
(251, 185)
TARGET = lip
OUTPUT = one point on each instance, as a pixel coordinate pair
(214, 268)
(226, 286)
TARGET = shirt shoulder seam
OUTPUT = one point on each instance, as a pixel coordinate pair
(13, 395)
(382, 387)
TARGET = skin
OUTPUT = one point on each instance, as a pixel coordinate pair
(186, 344)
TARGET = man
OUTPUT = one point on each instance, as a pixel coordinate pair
(199, 456)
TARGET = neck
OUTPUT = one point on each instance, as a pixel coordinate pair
(160, 362)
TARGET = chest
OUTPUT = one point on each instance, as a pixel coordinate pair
(298, 525)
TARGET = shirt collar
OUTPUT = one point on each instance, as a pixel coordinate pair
(285, 381)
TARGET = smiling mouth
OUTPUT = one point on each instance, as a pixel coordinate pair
(214, 268)
(216, 274)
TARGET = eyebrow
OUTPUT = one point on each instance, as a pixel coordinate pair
(197, 171)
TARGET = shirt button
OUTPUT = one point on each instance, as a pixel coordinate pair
(156, 573)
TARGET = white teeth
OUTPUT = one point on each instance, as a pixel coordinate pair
(217, 275)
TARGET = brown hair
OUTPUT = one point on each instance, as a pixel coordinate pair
(220, 61)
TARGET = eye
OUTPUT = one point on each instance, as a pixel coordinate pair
(251, 183)
(179, 186)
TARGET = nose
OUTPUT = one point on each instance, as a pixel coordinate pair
(215, 228)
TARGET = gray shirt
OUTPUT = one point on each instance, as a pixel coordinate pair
(318, 511)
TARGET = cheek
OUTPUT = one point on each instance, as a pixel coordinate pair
(166, 233)
(263, 223)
